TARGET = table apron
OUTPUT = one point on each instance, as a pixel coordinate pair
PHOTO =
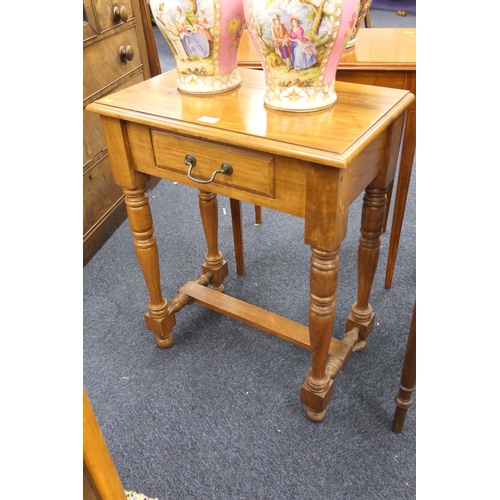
(318, 193)
(271, 181)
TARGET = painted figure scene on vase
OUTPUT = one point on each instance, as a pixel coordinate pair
(298, 40)
(203, 35)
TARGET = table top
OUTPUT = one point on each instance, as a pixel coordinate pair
(391, 49)
(239, 117)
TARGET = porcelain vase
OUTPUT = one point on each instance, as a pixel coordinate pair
(204, 36)
(364, 5)
(300, 43)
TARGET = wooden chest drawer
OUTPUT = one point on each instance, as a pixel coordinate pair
(93, 136)
(106, 13)
(101, 193)
(252, 171)
(102, 65)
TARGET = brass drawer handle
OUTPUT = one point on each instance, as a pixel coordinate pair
(190, 160)
(126, 53)
(120, 13)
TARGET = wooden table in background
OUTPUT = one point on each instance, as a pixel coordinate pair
(151, 129)
(385, 57)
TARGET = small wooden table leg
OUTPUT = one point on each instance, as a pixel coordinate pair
(317, 389)
(405, 170)
(213, 258)
(158, 318)
(407, 385)
(372, 221)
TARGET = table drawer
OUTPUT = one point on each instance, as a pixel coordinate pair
(253, 172)
(102, 65)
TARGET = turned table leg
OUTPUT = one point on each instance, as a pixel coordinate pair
(372, 221)
(158, 318)
(317, 389)
(214, 263)
(404, 396)
(405, 170)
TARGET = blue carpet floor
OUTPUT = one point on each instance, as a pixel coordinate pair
(410, 5)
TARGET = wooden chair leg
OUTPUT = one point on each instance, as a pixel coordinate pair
(388, 205)
(368, 21)
(237, 235)
(407, 385)
(236, 219)
(258, 215)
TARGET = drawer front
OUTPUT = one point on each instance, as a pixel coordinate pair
(102, 64)
(106, 14)
(100, 193)
(252, 171)
(90, 29)
(93, 136)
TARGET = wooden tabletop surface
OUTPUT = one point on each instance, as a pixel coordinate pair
(239, 117)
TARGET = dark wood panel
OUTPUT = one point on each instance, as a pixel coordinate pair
(93, 137)
(107, 26)
(100, 192)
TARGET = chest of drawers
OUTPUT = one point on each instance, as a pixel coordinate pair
(117, 53)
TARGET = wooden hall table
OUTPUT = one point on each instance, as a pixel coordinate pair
(385, 57)
(151, 129)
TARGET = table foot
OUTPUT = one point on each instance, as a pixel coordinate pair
(161, 322)
(166, 342)
(315, 395)
(218, 275)
(314, 416)
(364, 321)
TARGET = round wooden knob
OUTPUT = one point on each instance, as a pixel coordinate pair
(120, 13)
(126, 53)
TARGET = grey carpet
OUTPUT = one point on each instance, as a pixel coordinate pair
(409, 5)
(218, 415)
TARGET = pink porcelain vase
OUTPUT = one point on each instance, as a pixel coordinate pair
(300, 43)
(204, 36)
